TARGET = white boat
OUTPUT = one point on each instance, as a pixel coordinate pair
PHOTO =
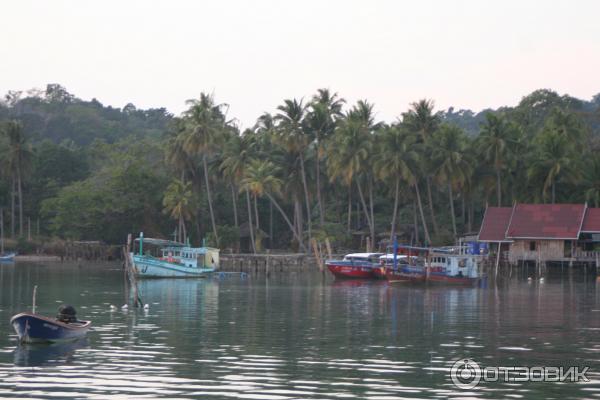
(174, 259)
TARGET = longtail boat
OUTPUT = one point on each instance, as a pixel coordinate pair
(355, 265)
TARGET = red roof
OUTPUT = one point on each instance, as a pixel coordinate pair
(494, 225)
(591, 222)
(546, 221)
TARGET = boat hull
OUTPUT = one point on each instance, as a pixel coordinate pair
(150, 267)
(379, 272)
(7, 257)
(452, 280)
(404, 276)
(33, 328)
(341, 270)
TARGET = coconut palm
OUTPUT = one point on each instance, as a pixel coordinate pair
(349, 157)
(18, 162)
(293, 136)
(553, 159)
(205, 122)
(451, 165)
(261, 179)
(325, 110)
(396, 161)
(180, 205)
(422, 120)
(592, 180)
(495, 142)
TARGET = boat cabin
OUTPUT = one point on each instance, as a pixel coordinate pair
(363, 257)
(179, 253)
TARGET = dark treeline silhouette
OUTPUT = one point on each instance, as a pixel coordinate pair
(316, 167)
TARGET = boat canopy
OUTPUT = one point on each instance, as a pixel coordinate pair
(161, 242)
(362, 255)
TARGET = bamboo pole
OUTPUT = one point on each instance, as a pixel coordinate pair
(317, 254)
(329, 252)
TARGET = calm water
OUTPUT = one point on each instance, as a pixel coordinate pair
(294, 336)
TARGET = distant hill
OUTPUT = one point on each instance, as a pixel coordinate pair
(57, 115)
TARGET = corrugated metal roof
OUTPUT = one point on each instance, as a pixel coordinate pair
(591, 222)
(494, 225)
(546, 221)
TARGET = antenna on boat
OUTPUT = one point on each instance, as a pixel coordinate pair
(34, 293)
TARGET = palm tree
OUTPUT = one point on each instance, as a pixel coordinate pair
(553, 158)
(397, 159)
(421, 119)
(592, 180)
(293, 136)
(261, 179)
(495, 142)
(18, 161)
(451, 166)
(325, 110)
(205, 122)
(179, 204)
(349, 153)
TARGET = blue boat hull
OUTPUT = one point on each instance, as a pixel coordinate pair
(150, 267)
(32, 328)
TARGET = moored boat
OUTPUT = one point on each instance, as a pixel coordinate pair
(32, 328)
(355, 265)
(435, 266)
(175, 260)
(8, 257)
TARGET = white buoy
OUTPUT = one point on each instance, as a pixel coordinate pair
(124, 307)
(113, 307)
(529, 278)
(541, 279)
(146, 306)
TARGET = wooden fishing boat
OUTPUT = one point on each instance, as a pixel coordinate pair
(34, 328)
(355, 265)
(435, 266)
(174, 259)
(7, 257)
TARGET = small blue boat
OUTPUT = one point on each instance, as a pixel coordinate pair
(175, 260)
(34, 328)
(8, 257)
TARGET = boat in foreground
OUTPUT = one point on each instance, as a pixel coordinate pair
(355, 265)
(34, 328)
(175, 260)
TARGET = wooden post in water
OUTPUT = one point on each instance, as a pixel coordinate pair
(317, 254)
(29, 228)
(1, 231)
(130, 273)
(328, 244)
(268, 263)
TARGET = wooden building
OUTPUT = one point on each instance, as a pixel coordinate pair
(543, 233)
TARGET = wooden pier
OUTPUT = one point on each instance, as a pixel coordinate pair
(268, 263)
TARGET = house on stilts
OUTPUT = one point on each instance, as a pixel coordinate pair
(543, 234)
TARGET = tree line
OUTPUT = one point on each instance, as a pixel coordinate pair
(316, 167)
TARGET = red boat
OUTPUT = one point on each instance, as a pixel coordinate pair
(355, 265)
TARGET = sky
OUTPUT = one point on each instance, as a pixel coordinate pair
(253, 54)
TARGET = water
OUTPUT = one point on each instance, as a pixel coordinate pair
(294, 336)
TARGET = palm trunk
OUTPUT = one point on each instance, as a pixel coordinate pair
(364, 204)
(433, 220)
(20, 188)
(498, 187)
(420, 204)
(415, 222)
(234, 201)
(349, 224)
(287, 220)
(13, 194)
(210, 207)
(372, 227)
(250, 225)
(270, 225)
(451, 199)
(318, 172)
(256, 213)
(553, 192)
(395, 212)
(308, 216)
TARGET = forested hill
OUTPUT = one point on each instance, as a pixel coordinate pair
(57, 115)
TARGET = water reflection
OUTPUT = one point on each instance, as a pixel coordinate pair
(32, 355)
(294, 336)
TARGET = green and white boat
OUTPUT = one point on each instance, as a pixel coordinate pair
(168, 259)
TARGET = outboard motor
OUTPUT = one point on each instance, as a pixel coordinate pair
(67, 314)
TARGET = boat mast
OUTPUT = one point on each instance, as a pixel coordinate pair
(141, 243)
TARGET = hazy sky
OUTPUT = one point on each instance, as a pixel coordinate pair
(253, 54)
